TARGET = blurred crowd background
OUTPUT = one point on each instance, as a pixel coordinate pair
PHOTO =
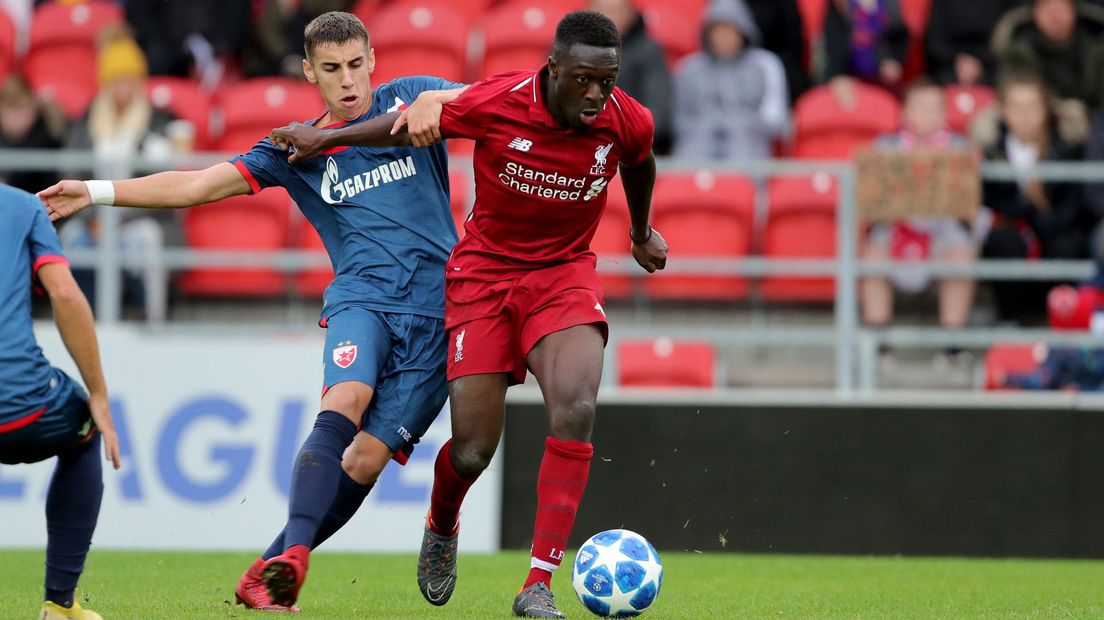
(728, 81)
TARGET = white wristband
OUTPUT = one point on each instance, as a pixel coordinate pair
(101, 192)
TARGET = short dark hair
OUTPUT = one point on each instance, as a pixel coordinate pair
(585, 28)
(1021, 77)
(336, 27)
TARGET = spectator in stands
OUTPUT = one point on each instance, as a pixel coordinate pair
(277, 43)
(644, 73)
(865, 40)
(1030, 218)
(780, 23)
(944, 239)
(730, 98)
(1060, 40)
(956, 43)
(28, 123)
(121, 122)
(203, 38)
(1079, 369)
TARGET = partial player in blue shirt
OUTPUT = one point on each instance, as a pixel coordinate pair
(43, 412)
(383, 216)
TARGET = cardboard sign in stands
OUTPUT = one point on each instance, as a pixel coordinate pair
(892, 185)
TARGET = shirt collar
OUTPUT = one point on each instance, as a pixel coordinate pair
(538, 111)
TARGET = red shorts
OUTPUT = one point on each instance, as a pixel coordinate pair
(493, 323)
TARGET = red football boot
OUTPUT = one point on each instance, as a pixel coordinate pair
(252, 593)
(284, 575)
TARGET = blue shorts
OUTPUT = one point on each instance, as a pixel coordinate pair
(64, 422)
(401, 356)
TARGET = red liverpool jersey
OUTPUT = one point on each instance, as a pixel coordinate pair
(540, 187)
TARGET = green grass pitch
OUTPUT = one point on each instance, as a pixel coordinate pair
(139, 586)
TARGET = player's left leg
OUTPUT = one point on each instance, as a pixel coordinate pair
(72, 508)
(568, 367)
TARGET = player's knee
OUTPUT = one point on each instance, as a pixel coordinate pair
(361, 467)
(472, 458)
(348, 400)
(573, 419)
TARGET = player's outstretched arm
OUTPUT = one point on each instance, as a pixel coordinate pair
(173, 189)
(422, 119)
(74, 320)
(418, 125)
(306, 141)
(648, 247)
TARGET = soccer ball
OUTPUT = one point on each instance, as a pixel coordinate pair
(617, 574)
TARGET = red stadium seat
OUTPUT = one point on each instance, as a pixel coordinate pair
(61, 59)
(251, 108)
(826, 130)
(8, 38)
(664, 362)
(1004, 358)
(257, 223)
(611, 241)
(312, 282)
(364, 10)
(518, 35)
(676, 28)
(801, 223)
(419, 37)
(185, 100)
(963, 102)
(709, 216)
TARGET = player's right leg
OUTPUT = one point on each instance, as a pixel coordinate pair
(357, 345)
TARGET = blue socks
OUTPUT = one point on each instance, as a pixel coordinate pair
(72, 507)
(317, 477)
(350, 495)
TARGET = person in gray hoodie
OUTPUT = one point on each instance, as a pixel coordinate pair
(731, 99)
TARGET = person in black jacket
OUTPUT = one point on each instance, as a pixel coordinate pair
(779, 22)
(1030, 218)
(644, 72)
(956, 44)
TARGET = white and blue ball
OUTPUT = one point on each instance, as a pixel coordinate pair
(617, 574)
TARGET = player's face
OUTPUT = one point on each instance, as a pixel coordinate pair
(580, 83)
(343, 74)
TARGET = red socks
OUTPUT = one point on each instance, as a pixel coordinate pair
(448, 493)
(560, 486)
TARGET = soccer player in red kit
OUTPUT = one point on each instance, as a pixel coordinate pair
(521, 288)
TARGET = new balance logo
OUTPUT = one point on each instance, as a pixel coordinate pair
(521, 144)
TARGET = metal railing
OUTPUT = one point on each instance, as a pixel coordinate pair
(855, 347)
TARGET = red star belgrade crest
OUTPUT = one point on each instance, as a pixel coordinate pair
(345, 354)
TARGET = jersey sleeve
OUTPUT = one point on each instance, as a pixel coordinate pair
(263, 166)
(469, 115)
(637, 129)
(45, 247)
(408, 88)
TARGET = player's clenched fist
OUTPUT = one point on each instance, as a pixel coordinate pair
(651, 252)
(303, 141)
(65, 198)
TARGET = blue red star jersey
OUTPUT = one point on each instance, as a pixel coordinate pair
(27, 242)
(382, 213)
(540, 187)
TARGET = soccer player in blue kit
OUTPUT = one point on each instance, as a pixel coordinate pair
(383, 216)
(43, 412)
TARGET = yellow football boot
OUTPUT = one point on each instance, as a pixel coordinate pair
(53, 611)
